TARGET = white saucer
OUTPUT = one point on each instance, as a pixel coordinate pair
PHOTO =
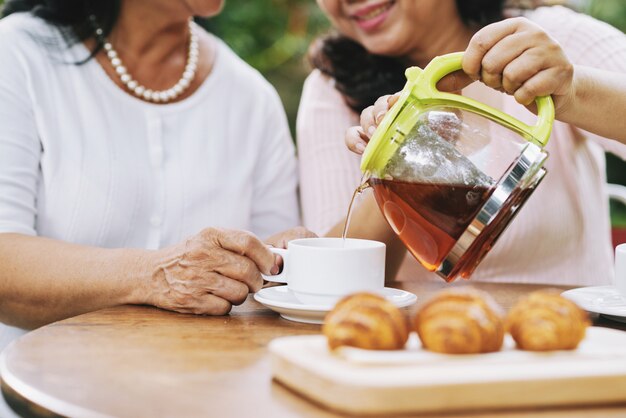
(605, 300)
(280, 299)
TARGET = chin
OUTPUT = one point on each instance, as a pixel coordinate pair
(389, 41)
(206, 8)
(380, 47)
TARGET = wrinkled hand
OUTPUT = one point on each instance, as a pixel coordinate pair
(518, 57)
(209, 272)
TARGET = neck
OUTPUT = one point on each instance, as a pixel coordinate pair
(452, 37)
(153, 33)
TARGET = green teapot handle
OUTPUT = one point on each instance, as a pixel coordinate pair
(443, 65)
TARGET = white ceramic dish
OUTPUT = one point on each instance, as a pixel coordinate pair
(604, 300)
(280, 299)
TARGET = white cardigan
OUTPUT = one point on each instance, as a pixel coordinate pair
(84, 162)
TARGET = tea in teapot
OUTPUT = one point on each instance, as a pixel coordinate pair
(449, 173)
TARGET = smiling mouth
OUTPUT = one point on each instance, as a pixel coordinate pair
(372, 13)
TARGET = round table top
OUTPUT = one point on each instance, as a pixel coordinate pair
(133, 361)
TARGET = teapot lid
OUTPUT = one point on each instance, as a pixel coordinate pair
(420, 92)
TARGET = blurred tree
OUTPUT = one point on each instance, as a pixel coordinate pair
(611, 11)
(273, 36)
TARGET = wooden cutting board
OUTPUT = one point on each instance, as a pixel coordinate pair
(414, 380)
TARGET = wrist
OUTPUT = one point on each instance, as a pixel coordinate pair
(151, 281)
(141, 267)
(566, 105)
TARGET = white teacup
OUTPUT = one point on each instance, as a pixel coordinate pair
(620, 268)
(319, 271)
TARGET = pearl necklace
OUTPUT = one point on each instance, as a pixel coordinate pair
(162, 96)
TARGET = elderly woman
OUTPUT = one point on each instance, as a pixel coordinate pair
(562, 234)
(136, 150)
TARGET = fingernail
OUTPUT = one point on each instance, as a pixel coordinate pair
(275, 269)
(380, 116)
(360, 147)
(371, 130)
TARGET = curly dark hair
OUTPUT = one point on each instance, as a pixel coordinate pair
(72, 17)
(362, 77)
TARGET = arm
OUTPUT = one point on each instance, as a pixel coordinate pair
(329, 173)
(517, 56)
(43, 280)
(597, 102)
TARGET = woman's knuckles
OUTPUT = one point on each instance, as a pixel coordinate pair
(212, 306)
(238, 295)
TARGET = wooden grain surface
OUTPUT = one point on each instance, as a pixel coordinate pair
(135, 361)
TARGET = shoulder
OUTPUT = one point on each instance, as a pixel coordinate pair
(31, 41)
(319, 88)
(18, 46)
(22, 28)
(578, 33)
(242, 80)
(562, 18)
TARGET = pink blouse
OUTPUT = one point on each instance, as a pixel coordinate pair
(561, 235)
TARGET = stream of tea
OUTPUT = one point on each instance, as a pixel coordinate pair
(364, 185)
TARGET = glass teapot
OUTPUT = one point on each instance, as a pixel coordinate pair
(449, 173)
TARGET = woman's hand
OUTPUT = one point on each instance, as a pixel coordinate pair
(518, 57)
(357, 137)
(209, 272)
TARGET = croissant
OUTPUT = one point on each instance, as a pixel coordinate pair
(460, 321)
(545, 320)
(367, 321)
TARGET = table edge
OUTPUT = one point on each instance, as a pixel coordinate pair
(21, 397)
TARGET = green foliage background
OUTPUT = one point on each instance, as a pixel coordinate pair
(273, 36)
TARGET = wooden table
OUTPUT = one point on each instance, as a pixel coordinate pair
(134, 361)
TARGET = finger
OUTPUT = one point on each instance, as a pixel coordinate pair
(354, 139)
(391, 100)
(367, 120)
(226, 288)
(539, 85)
(208, 305)
(237, 267)
(381, 106)
(484, 40)
(520, 70)
(500, 55)
(243, 243)
(279, 264)
(454, 82)
(505, 51)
